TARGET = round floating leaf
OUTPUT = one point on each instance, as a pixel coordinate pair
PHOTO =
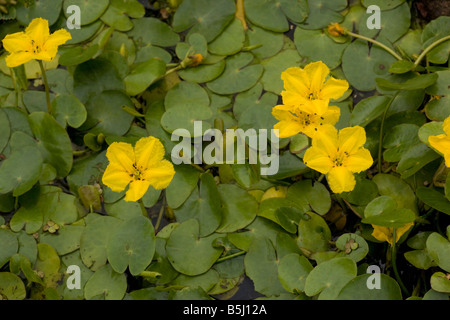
(94, 239)
(434, 199)
(270, 42)
(53, 142)
(77, 55)
(82, 34)
(440, 282)
(398, 189)
(49, 263)
(419, 259)
(182, 117)
(186, 93)
(106, 284)
(95, 76)
(230, 41)
(188, 253)
(184, 181)
(368, 110)
(383, 4)
(153, 31)
(9, 247)
(5, 130)
(11, 287)
(132, 245)
(119, 13)
(20, 171)
(439, 249)
(313, 233)
(239, 208)
(68, 110)
(329, 277)
(90, 10)
(202, 205)
(292, 272)
(274, 66)
(379, 205)
(361, 64)
(273, 15)
(324, 12)
(49, 10)
(106, 115)
(318, 46)
(203, 73)
(261, 266)
(142, 75)
(238, 75)
(353, 245)
(204, 17)
(65, 241)
(358, 289)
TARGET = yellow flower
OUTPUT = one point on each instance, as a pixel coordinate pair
(293, 120)
(387, 234)
(35, 43)
(309, 88)
(442, 142)
(138, 167)
(335, 29)
(339, 155)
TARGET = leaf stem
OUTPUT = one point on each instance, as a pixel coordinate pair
(392, 52)
(16, 89)
(231, 256)
(47, 90)
(394, 263)
(380, 144)
(160, 215)
(143, 209)
(429, 48)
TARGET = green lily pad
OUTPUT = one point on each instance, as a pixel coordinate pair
(183, 183)
(153, 31)
(230, 41)
(142, 75)
(172, 121)
(106, 115)
(95, 76)
(202, 205)
(119, 13)
(48, 262)
(292, 272)
(313, 233)
(274, 66)
(12, 287)
(261, 266)
(5, 130)
(361, 64)
(20, 171)
(10, 245)
(90, 10)
(440, 282)
(317, 45)
(53, 142)
(106, 284)
(398, 189)
(324, 12)
(368, 110)
(65, 241)
(434, 199)
(439, 247)
(273, 15)
(132, 245)
(188, 253)
(353, 245)
(239, 208)
(330, 277)
(85, 32)
(77, 55)
(94, 239)
(420, 259)
(437, 109)
(68, 110)
(238, 75)
(186, 93)
(49, 10)
(203, 16)
(270, 42)
(60, 81)
(308, 195)
(357, 289)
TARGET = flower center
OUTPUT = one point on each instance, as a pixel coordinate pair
(339, 159)
(312, 96)
(306, 119)
(36, 48)
(137, 173)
